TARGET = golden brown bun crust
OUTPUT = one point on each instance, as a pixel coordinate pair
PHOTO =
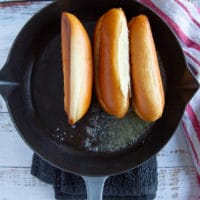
(148, 95)
(77, 67)
(107, 84)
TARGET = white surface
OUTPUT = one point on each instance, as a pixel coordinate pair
(176, 173)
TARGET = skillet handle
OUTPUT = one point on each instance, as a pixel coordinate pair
(94, 186)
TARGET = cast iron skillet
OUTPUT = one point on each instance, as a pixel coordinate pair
(31, 84)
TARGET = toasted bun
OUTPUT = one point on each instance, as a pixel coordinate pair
(111, 60)
(148, 94)
(77, 67)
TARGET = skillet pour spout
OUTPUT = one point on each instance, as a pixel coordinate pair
(187, 86)
(6, 82)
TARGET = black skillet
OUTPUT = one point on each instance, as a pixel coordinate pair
(31, 83)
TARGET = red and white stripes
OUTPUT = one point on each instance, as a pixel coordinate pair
(184, 19)
(189, 9)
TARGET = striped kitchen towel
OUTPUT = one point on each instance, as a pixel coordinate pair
(184, 19)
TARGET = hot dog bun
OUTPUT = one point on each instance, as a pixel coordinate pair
(148, 94)
(111, 60)
(77, 67)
